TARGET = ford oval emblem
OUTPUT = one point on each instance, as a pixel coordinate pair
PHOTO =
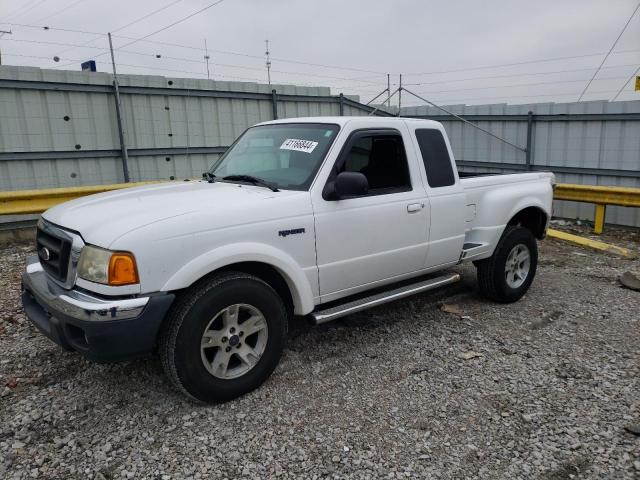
(44, 253)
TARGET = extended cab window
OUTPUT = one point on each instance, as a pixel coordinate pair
(435, 156)
(382, 159)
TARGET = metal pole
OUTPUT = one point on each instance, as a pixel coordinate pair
(2, 32)
(529, 151)
(599, 216)
(206, 57)
(388, 89)
(268, 63)
(341, 105)
(466, 121)
(378, 96)
(400, 95)
(274, 104)
(388, 99)
(123, 146)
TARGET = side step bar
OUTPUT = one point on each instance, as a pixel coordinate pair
(324, 316)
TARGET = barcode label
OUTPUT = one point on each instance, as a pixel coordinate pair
(298, 145)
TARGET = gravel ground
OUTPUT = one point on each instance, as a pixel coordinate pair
(538, 389)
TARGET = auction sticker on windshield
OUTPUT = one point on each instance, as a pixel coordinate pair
(298, 145)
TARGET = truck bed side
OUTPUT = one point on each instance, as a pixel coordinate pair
(494, 201)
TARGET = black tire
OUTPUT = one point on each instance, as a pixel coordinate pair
(492, 278)
(180, 341)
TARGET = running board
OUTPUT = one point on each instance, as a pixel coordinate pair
(324, 316)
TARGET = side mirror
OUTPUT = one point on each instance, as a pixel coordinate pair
(347, 184)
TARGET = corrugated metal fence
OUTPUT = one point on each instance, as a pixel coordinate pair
(593, 143)
(60, 129)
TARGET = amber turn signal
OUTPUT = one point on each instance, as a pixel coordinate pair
(122, 269)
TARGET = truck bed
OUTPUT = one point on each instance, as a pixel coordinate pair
(487, 194)
(474, 181)
(462, 175)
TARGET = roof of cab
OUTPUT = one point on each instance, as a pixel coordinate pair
(342, 121)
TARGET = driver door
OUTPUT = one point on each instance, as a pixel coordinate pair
(379, 237)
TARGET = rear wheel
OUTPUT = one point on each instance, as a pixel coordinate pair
(507, 275)
(224, 337)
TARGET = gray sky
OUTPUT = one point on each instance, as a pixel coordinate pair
(356, 41)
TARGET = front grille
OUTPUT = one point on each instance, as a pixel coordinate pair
(53, 252)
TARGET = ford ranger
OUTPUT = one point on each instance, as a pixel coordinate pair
(315, 217)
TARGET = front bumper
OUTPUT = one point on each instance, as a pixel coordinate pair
(103, 330)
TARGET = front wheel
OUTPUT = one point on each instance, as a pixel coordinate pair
(224, 337)
(507, 275)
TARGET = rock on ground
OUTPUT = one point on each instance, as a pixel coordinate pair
(391, 392)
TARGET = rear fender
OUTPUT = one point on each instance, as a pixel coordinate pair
(497, 208)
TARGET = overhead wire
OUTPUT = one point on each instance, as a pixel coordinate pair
(322, 65)
(303, 74)
(197, 12)
(512, 75)
(133, 22)
(560, 94)
(30, 56)
(49, 28)
(60, 11)
(357, 79)
(47, 42)
(339, 67)
(637, 70)
(513, 64)
(464, 120)
(248, 55)
(184, 59)
(609, 52)
(252, 79)
(555, 82)
(150, 14)
(23, 12)
(199, 49)
(21, 8)
(190, 72)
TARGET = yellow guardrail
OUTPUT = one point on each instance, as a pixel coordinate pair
(600, 196)
(37, 201)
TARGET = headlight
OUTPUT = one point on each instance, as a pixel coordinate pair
(107, 267)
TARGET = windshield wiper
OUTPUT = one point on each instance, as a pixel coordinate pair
(252, 179)
(211, 178)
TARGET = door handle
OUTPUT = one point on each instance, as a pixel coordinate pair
(415, 207)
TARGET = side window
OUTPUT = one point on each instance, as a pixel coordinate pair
(435, 156)
(382, 159)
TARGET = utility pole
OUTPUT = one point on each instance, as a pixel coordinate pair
(2, 32)
(206, 57)
(268, 63)
(123, 146)
(388, 90)
(400, 95)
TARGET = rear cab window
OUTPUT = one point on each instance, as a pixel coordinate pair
(435, 156)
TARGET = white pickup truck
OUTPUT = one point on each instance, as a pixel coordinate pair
(316, 217)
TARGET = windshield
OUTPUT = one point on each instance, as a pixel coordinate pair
(285, 155)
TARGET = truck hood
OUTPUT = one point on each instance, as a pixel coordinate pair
(103, 218)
